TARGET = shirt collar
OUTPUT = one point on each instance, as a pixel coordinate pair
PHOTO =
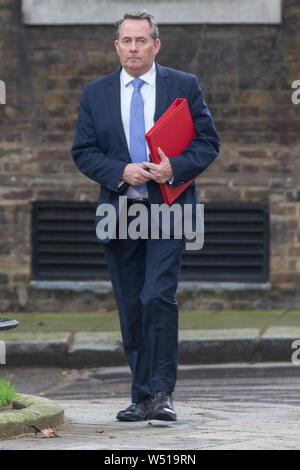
(148, 77)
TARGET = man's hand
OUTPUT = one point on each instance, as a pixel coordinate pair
(160, 173)
(135, 174)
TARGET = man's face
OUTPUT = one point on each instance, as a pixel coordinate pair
(135, 47)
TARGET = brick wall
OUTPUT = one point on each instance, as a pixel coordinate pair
(245, 73)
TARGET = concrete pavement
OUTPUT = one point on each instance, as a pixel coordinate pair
(228, 412)
(203, 425)
(237, 386)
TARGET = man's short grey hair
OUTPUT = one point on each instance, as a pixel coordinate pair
(141, 15)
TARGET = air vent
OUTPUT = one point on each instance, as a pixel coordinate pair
(236, 244)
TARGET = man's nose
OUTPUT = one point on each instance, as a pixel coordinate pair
(133, 46)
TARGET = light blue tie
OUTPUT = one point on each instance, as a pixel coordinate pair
(138, 152)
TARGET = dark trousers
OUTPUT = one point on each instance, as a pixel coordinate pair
(144, 275)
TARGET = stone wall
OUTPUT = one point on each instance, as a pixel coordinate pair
(246, 74)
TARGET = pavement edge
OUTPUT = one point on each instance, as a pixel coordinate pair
(29, 411)
(207, 350)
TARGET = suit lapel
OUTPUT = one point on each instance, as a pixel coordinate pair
(162, 91)
(114, 98)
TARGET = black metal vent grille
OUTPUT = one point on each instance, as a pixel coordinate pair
(236, 244)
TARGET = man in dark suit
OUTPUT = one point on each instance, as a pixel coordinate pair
(110, 148)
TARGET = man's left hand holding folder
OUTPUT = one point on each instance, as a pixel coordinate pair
(161, 173)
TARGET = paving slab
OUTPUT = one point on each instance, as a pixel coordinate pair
(96, 337)
(219, 333)
(25, 336)
(280, 331)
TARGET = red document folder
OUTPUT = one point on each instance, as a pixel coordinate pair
(172, 133)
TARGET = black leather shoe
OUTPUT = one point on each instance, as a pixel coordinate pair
(163, 407)
(136, 411)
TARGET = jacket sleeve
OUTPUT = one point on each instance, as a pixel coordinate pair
(204, 148)
(105, 169)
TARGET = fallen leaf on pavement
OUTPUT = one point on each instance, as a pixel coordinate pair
(48, 432)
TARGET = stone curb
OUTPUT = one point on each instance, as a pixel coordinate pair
(190, 351)
(36, 353)
(29, 411)
(225, 350)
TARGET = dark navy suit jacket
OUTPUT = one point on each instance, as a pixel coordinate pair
(100, 150)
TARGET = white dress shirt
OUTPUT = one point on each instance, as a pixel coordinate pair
(148, 91)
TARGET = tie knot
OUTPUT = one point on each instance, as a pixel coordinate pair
(137, 83)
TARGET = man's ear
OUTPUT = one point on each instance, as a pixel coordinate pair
(157, 45)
